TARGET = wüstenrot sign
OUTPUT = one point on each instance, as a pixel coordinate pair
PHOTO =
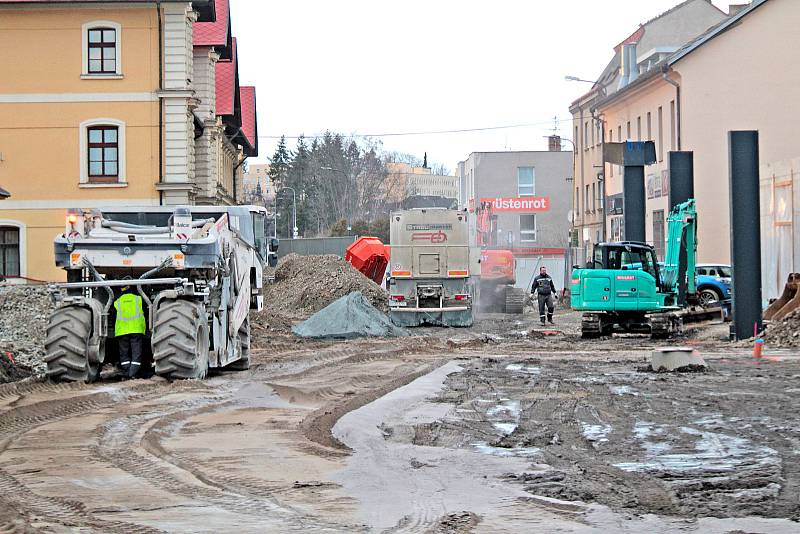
(521, 204)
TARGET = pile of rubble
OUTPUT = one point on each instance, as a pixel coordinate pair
(306, 284)
(784, 333)
(303, 285)
(24, 311)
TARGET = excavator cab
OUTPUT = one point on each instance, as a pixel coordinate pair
(626, 256)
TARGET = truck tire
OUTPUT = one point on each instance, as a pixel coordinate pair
(180, 340)
(242, 364)
(515, 300)
(67, 346)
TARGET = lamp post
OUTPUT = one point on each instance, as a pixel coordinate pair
(576, 79)
(294, 209)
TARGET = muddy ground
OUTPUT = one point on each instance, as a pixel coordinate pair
(497, 428)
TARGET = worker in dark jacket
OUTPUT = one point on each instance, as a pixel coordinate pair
(129, 330)
(545, 290)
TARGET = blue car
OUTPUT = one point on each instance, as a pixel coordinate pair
(713, 282)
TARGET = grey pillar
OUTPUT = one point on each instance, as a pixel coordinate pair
(634, 205)
(681, 177)
(745, 232)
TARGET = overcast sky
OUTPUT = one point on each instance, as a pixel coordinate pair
(387, 66)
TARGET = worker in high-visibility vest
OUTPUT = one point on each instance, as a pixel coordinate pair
(129, 330)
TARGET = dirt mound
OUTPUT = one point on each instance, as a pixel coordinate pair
(24, 311)
(784, 333)
(303, 285)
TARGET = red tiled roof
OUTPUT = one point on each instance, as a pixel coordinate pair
(249, 126)
(227, 78)
(214, 33)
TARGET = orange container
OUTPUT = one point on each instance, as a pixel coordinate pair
(369, 256)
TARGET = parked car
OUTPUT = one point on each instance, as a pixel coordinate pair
(713, 282)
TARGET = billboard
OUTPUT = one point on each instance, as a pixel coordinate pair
(519, 204)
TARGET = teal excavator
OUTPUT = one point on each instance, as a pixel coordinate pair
(625, 289)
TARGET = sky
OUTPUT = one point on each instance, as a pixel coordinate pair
(388, 67)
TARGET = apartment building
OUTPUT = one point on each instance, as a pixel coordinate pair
(602, 114)
(107, 103)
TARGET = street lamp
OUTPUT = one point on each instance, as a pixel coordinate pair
(576, 79)
(294, 209)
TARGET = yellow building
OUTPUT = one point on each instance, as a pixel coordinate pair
(98, 109)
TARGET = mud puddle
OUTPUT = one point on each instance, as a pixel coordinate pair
(597, 441)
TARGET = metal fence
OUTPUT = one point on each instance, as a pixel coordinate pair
(314, 246)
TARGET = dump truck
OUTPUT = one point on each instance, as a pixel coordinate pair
(197, 269)
(625, 289)
(432, 267)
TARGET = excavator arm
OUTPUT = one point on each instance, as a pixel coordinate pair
(680, 260)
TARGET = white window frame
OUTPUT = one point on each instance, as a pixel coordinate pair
(85, 74)
(524, 233)
(533, 185)
(84, 152)
(23, 253)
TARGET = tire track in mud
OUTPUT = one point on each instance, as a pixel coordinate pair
(18, 421)
(120, 438)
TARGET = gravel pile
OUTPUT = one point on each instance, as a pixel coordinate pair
(784, 333)
(306, 284)
(24, 311)
(349, 317)
(303, 285)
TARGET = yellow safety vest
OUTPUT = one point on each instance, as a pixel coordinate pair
(130, 315)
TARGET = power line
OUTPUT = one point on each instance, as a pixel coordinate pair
(432, 132)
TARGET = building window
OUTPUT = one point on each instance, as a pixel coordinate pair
(586, 199)
(101, 49)
(660, 134)
(103, 152)
(611, 140)
(649, 127)
(639, 128)
(594, 197)
(672, 143)
(629, 131)
(586, 135)
(526, 181)
(9, 251)
(659, 240)
(577, 139)
(527, 228)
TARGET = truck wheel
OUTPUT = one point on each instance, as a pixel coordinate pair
(67, 346)
(515, 300)
(180, 340)
(242, 364)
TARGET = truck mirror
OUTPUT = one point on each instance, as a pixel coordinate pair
(273, 244)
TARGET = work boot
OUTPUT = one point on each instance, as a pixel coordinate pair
(550, 319)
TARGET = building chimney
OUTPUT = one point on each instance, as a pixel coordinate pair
(734, 9)
(627, 65)
(554, 143)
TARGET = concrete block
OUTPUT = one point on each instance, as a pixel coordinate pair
(676, 359)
